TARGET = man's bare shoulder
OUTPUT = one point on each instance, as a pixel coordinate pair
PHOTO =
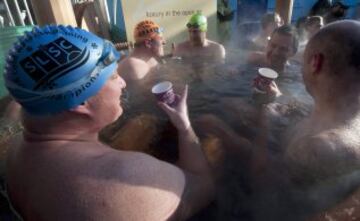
(133, 68)
(343, 139)
(217, 48)
(215, 44)
(316, 146)
(131, 62)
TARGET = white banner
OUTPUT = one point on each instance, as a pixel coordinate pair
(172, 15)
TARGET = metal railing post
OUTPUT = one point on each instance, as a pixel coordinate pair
(284, 8)
(19, 18)
(28, 12)
(54, 12)
(9, 13)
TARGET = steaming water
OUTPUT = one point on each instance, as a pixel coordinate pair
(209, 84)
(214, 89)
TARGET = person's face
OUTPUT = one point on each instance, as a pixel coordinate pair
(312, 29)
(196, 35)
(157, 46)
(273, 25)
(107, 102)
(279, 49)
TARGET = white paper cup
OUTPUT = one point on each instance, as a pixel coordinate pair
(164, 92)
(268, 73)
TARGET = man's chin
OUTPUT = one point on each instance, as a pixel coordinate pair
(117, 115)
(196, 41)
(120, 112)
(277, 62)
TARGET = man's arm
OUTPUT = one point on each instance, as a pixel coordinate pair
(199, 188)
(132, 69)
(349, 209)
(12, 111)
(221, 53)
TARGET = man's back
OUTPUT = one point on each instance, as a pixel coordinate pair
(133, 68)
(88, 181)
(324, 151)
(60, 171)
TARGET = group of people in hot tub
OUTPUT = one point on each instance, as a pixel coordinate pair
(68, 83)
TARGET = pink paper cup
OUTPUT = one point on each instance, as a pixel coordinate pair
(164, 92)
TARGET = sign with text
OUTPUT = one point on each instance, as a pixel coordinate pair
(172, 15)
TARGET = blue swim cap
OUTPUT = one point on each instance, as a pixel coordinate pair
(56, 68)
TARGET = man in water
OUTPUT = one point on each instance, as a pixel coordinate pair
(337, 12)
(148, 48)
(282, 45)
(269, 22)
(67, 83)
(312, 25)
(322, 157)
(198, 46)
(327, 144)
(321, 162)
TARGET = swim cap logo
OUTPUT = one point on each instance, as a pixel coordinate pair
(52, 61)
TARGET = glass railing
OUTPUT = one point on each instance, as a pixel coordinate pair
(8, 35)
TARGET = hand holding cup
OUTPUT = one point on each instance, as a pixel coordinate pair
(265, 87)
(178, 112)
(164, 92)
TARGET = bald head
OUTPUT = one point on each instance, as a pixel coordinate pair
(339, 43)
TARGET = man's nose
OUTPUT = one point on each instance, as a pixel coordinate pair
(122, 83)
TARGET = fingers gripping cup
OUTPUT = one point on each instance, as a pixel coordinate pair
(265, 77)
(164, 92)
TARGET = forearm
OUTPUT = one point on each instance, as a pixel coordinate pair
(191, 155)
(200, 186)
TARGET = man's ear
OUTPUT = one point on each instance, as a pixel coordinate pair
(317, 63)
(147, 43)
(82, 109)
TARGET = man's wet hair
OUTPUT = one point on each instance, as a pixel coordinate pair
(268, 18)
(290, 31)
